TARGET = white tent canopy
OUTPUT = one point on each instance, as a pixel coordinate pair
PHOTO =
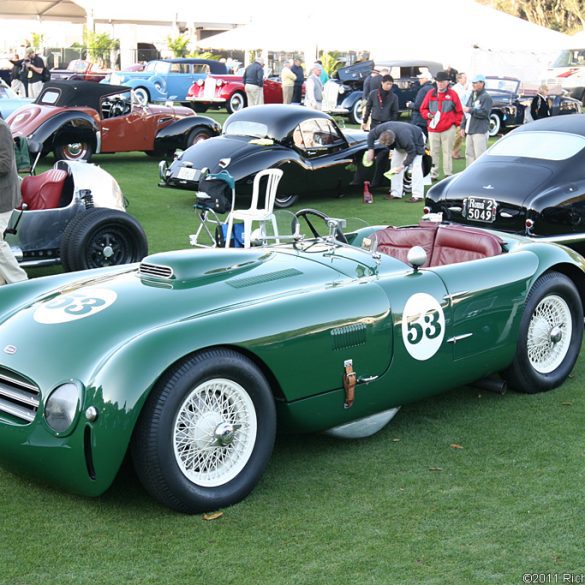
(461, 33)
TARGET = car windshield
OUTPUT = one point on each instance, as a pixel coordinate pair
(493, 83)
(157, 67)
(542, 145)
(570, 57)
(245, 128)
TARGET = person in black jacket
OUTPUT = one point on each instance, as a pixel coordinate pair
(254, 82)
(408, 142)
(297, 69)
(426, 81)
(382, 104)
(539, 107)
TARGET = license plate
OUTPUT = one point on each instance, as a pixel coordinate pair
(188, 174)
(479, 209)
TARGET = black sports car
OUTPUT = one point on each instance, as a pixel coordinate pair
(315, 155)
(530, 182)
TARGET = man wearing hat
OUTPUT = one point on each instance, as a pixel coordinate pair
(476, 123)
(254, 82)
(33, 66)
(443, 112)
(426, 84)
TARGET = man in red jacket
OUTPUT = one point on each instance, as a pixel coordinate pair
(443, 112)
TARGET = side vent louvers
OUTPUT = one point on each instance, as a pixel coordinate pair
(263, 278)
(155, 270)
(348, 336)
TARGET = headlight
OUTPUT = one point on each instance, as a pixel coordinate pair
(62, 407)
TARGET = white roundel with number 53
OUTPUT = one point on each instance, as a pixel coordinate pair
(74, 305)
(423, 326)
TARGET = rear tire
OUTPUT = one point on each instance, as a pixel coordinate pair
(284, 201)
(551, 333)
(142, 95)
(236, 102)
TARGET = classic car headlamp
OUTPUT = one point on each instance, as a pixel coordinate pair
(62, 407)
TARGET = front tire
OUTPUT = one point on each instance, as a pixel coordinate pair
(236, 102)
(206, 432)
(495, 125)
(551, 333)
(74, 151)
(356, 114)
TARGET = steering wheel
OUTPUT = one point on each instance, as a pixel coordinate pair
(118, 107)
(306, 213)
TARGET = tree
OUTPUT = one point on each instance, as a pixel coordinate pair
(178, 45)
(100, 46)
(562, 15)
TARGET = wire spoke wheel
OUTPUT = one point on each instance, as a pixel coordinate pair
(549, 334)
(215, 432)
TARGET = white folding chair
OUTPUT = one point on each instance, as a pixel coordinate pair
(261, 215)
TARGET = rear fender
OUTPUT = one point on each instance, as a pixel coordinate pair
(175, 135)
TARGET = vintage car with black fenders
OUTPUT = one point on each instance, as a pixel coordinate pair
(315, 155)
(74, 214)
(192, 360)
(77, 119)
(511, 103)
(530, 182)
(342, 94)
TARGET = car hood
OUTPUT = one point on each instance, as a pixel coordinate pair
(69, 330)
(208, 153)
(496, 180)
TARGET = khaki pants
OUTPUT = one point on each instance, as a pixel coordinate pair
(442, 142)
(10, 271)
(254, 94)
(475, 146)
(287, 93)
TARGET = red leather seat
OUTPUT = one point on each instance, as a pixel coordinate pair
(455, 244)
(43, 191)
(396, 242)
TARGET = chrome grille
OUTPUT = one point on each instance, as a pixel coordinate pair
(18, 398)
(155, 270)
(209, 88)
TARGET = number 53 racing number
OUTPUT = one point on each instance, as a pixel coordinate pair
(423, 326)
(74, 305)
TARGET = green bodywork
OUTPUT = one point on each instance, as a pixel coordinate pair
(299, 312)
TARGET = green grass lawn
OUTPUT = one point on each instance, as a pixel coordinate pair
(465, 488)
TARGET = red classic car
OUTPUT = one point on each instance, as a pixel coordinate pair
(75, 119)
(228, 91)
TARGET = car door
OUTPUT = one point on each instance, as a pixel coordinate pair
(180, 78)
(323, 150)
(127, 130)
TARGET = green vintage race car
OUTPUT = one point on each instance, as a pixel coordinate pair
(193, 360)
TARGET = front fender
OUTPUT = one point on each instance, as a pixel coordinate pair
(76, 123)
